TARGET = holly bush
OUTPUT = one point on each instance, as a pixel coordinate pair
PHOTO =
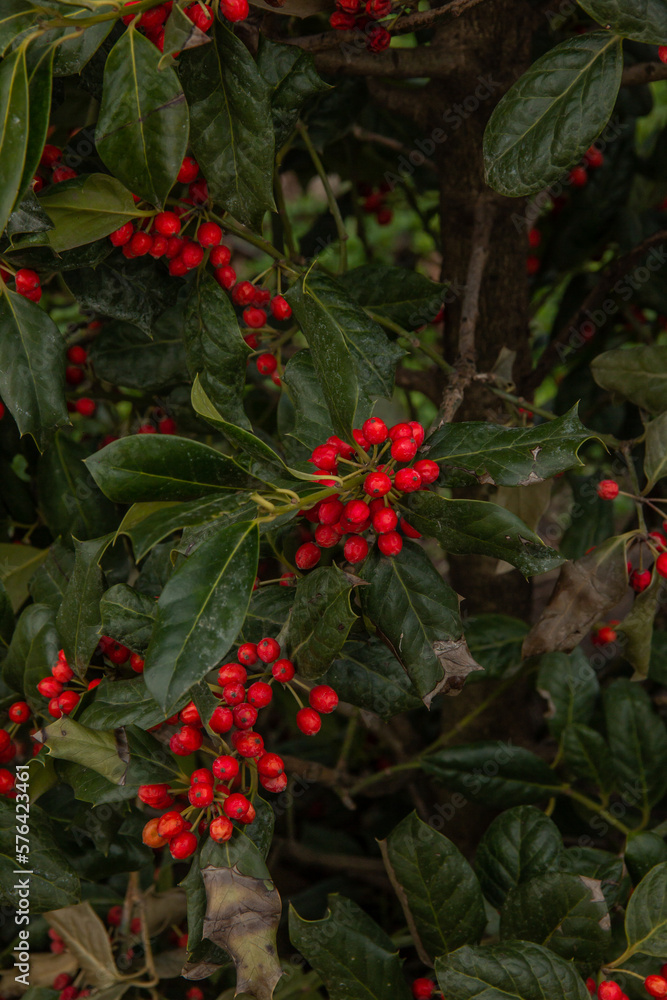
(333, 366)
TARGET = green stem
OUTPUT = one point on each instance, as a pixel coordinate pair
(524, 403)
(232, 226)
(412, 341)
(331, 199)
(371, 779)
(288, 231)
(595, 807)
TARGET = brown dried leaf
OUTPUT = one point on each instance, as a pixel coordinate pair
(86, 937)
(457, 662)
(44, 967)
(163, 909)
(242, 915)
(637, 628)
(585, 591)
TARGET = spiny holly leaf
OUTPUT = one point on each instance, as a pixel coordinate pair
(497, 774)
(638, 741)
(17, 565)
(417, 615)
(368, 676)
(200, 612)
(354, 958)
(320, 620)
(311, 422)
(293, 79)
(506, 456)
(122, 703)
(146, 524)
(142, 128)
(479, 527)
(437, 888)
(28, 628)
(553, 113)
(519, 844)
(353, 358)
(123, 355)
(638, 374)
(103, 752)
(53, 881)
(637, 628)
(640, 20)
(517, 970)
(40, 63)
(69, 499)
(404, 296)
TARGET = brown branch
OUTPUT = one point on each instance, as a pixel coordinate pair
(634, 76)
(400, 64)
(609, 276)
(363, 135)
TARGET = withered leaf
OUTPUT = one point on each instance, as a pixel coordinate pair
(86, 937)
(585, 591)
(242, 915)
(457, 662)
(637, 628)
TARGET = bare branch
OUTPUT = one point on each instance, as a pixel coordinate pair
(363, 135)
(647, 72)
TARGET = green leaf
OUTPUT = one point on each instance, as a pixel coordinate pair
(13, 139)
(478, 527)
(417, 615)
(565, 913)
(215, 348)
(127, 616)
(321, 619)
(516, 970)
(587, 755)
(71, 56)
(352, 956)
(28, 217)
(406, 297)
(78, 621)
(15, 17)
(640, 20)
(368, 677)
(518, 845)
(151, 467)
(545, 123)
(230, 124)
(655, 450)
(200, 612)
(354, 361)
(122, 355)
(17, 564)
(495, 642)
(142, 128)
(643, 852)
(506, 456)
(495, 773)
(103, 752)
(570, 686)
(49, 581)
(436, 887)
(7, 622)
(180, 33)
(28, 627)
(602, 866)
(268, 611)
(69, 499)
(637, 629)
(136, 291)
(311, 424)
(638, 374)
(32, 373)
(638, 743)
(146, 524)
(293, 80)
(40, 68)
(53, 881)
(149, 760)
(122, 703)
(85, 209)
(646, 914)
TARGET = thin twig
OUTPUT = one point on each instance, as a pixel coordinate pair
(634, 76)
(331, 198)
(363, 135)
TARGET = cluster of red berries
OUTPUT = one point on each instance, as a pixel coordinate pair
(64, 982)
(363, 498)
(655, 986)
(51, 170)
(151, 22)
(212, 798)
(27, 282)
(640, 579)
(353, 14)
(255, 302)
(374, 202)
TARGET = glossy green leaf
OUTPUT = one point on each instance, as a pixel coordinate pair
(320, 620)
(28, 217)
(40, 68)
(149, 759)
(15, 17)
(477, 527)
(638, 374)
(146, 524)
(200, 612)
(438, 890)
(13, 134)
(142, 128)
(368, 676)
(506, 456)
(516, 970)
(566, 913)
(239, 851)
(72, 55)
(151, 467)
(570, 686)
(495, 642)
(406, 297)
(640, 20)
(311, 424)
(136, 291)
(53, 881)
(518, 845)
(69, 499)
(268, 611)
(32, 367)
(103, 752)
(643, 852)
(602, 866)
(215, 348)
(646, 914)
(553, 113)
(122, 703)
(587, 755)
(180, 33)
(127, 616)
(17, 564)
(231, 132)
(495, 773)
(29, 625)
(122, 355)
(638, 742)
(79, 619)
(85, 209)
(353, 359)
(293, 80)
(353, 957)
(417, 615)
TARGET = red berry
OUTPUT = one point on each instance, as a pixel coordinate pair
(68, 701)
(151, 795)
(49, 687)
(404, 449)
(360, 439)
(418, 432)
(390, 544)
(225, 276)
(428, 470)
(61, 174)
(593, 158)
(190, 738)
(170, 824)
(234, 10)
(167, 426)
(6, 781)
(422, 989)
(656, 986)
(254, 318)
(280, 308)
(225, 767)
(248, 744)
(375, 430)
(408, 530)
(266, 364)
(268, 650)
(209, 234)
(308, 721)
(178, 267)
(357, 511)
(323, 698)
(117, 653)
(220, 256)
(607, 489)
(609, 990)
(579, 178)
(50, 155)
(245, 715)
(19, 712)
(247, 653)
(146, 429)
(222, 720)
(77, 354)
(662, 53)
(385, 520)
(260, 694)
(355, 549)
(153, 18)
(86, 407)
(342, 22)
(233, 693)
(167, 224)
(183, 845)
(604, 636)
(377, 484)
(229, 672)
(243, 294)
(189, 714)
(325, 457)
(283, 671)
(189, 171)
(201, 776)
(221, 829)
(326, 536)
(140, 244)
(26, 280)
(407, 480)
(174, 246)
(74, 376)
(307, 555)
(661, 564)
(200, 795)
(192, 255)
(329, 511)
(123, 235)
(201, 16)
(236, 805)
(534, 238)
(591, 986)
(61, 981)
(277, 784)
(270, 765)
